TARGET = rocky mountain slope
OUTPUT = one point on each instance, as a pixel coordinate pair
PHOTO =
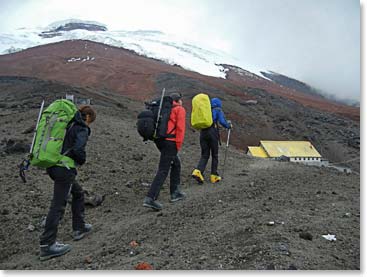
(279, 113)
(264, 215)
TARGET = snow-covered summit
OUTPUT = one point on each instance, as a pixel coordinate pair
(150, 43)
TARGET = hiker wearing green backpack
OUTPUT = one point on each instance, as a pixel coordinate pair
(209, 136)
(63, 174)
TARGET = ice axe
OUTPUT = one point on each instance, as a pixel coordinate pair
(159, 113)
(225, 153)
(24, 165)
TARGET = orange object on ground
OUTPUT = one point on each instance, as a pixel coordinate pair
(143, 266)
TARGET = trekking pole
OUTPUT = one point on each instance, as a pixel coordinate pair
(159, 113)
(225, 154)
(24, 165)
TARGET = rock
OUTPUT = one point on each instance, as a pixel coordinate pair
(11, 146)
(203, 258)
(133, 252)
(94, 200)
(5, 212)
(133, 243)
(29, 130)
(305, 235)
(270, 267)
(138, 157)
(31, 228)
(292, 267)
(129, 184)
(88, 259)
(282, 248)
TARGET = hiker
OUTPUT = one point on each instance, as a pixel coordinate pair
(64, 183)
(209, 143)
(169, 160)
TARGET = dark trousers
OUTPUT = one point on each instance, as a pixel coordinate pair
(64, 183)
(209, 139)
(168, 160)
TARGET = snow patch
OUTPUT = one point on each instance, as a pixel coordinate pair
(80, 59)
(150, 43)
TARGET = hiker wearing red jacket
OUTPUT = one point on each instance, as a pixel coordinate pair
(169, 160)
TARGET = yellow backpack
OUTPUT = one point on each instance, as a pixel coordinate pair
(201, 115)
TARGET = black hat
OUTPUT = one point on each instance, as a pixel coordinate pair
(176, 96)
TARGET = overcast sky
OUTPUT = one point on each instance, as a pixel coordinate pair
(316, 41)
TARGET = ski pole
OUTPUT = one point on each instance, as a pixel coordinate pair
(225, 154)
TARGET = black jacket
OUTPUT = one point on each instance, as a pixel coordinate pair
(76, 139)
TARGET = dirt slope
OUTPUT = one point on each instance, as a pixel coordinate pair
(123, 71)
(221, 226)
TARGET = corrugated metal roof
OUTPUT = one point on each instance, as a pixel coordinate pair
(257, 151)
(289, 148)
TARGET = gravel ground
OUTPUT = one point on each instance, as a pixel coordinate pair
(264, 215)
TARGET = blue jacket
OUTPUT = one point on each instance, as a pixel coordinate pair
(217, 113)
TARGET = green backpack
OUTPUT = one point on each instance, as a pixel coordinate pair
(50, 134)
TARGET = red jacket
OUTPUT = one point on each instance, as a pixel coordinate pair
(176, 124)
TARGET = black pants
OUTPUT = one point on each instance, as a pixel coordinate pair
(168, 160)
(209, 139)
(64, 183)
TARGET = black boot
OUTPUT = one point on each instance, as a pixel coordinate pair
(150, 203)
(177, 195)
(79, 234)
(54, 250)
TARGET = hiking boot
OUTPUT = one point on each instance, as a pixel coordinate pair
(79, 234)
(215, 178)
(177, 195)
(150, 203)
(196, 174)
(54, 250)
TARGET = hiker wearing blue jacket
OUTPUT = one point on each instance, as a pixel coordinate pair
(209, 143)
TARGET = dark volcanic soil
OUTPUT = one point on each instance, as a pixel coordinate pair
(218, 226)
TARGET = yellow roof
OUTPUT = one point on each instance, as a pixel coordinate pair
(289, 148)
(257, 151)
